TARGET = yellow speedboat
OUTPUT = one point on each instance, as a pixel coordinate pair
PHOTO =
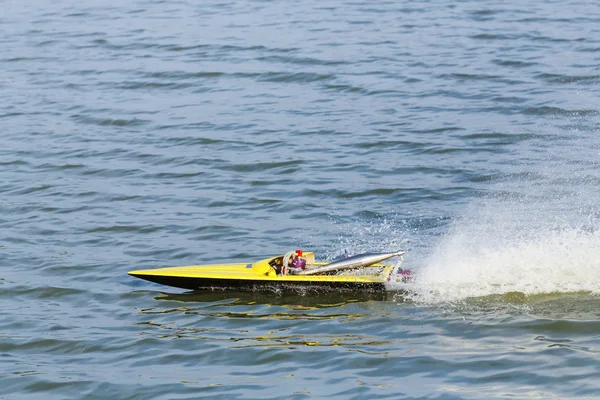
(295, 269)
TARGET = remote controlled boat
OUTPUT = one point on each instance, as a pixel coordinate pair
(295, 269)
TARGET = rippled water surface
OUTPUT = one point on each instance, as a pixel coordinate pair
(147, 134)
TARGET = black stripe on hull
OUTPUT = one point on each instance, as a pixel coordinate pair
(254, 285)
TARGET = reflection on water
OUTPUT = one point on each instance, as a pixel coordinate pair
(235, 317)
(293, 300)
(319, 341)
(251, 314)
(244, 338)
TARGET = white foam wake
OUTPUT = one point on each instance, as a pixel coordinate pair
(507, 246)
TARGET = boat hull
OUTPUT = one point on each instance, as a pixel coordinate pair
(194, 283)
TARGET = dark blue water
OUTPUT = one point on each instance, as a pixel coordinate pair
(152, 134)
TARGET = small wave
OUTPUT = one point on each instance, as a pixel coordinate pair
(556, 40)
(108, 121)
(486, 12)
(199, 141)
(125, 229)
(294, 77)
(174, 175)
(173, 47)
(511, 99)
(299, 60)
(558, 78)
(44, 292)
(134, 85)
(389, 144)
(471, 77)
(77, 15)
(439, 130)
(13, 162)
(345, 88)
(47, 43)
(35, 189)
(262, 166)
(494, 36)
(111, 173)
(183, 75)
(508, 137)
(19, 59)
(406, 194)
(454, 150)
(546, 110)
(514, 63)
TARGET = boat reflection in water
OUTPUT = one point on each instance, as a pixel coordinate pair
(292, 299)
(241, 319)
